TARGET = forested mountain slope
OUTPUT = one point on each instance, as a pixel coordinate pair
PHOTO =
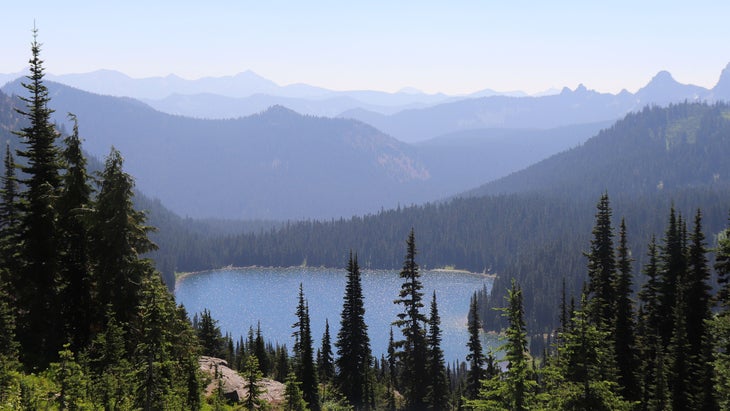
(683, 145)
(277, 164)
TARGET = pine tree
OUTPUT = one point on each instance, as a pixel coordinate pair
(209, 335)
(722, 267)
(119, 238)
(515, 390)
(475, 357)
(354, 358)
(306, 371)
(602, 268)
(650, 341)
(437, 394)
(672, 267)
(293, 394)
(520, 386)
(680, 358)
(410, 321)
(326, 363)
(624, 331)
(9, 216)
(699, 314)
(252, 375)
(36, 282)
(260, 351)
(75, 268)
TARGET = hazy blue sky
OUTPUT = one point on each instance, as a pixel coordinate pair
(453, 47)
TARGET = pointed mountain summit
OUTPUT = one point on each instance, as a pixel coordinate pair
(721, 91)
(664, 89)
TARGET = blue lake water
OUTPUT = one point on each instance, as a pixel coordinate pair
(239, 298)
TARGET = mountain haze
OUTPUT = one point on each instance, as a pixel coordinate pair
(282, 165)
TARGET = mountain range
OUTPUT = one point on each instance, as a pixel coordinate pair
(408, 115)
(279, 164)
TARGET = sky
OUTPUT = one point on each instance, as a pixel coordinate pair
(454, 47)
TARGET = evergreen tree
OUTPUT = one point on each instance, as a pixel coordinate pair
(306, 371)
(326, 363)
(475, 357)
(437, 394)
(518, 378)
(680, 358)
(293, 394)
(260, 351)
(650, 342)
(602, 268)
(722, 267)
(699, 314)
(672, 268)
(9, 216)
(624, 331)
(354, 358)
(75, 266)
(209, 335)
(410, 321)
(582, 367)
(516, 390)
(252, 375)
(119, 238)
(36, 282)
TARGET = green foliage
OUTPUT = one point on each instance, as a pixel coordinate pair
(305, 368)
(293, 395)
(354, 359)
(253, 376)
(209, 335)
(475, 357)
(413, 355)
(437, 393)
(35, 282)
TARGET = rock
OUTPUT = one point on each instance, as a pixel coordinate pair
(233, 384)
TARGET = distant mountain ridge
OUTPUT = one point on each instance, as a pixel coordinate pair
(281, 165)
(577, 106)
(408, 115)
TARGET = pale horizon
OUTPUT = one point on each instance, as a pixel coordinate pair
(454, 49)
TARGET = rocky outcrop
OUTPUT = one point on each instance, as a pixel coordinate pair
(233, 385)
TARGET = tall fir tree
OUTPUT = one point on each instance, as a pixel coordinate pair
(306, 371)
(515, 389)
(437, 394)
(119, 238)
(699, 313)
(520, 385)
(475, 357)
(410, 321)
(9, 215)
(680, 357)
(602, 268)
(76, 276)
(672, 266)
(36, 282)
(650, 341)
(326, 363)
(721, 322)
(354, 358)
(624, 329)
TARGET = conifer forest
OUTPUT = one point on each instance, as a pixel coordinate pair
(595, 309)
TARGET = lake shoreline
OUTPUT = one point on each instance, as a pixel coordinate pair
(179, 277)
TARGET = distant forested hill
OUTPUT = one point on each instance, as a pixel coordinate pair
(683, 145)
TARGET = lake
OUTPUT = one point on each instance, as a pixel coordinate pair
(239, 298)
